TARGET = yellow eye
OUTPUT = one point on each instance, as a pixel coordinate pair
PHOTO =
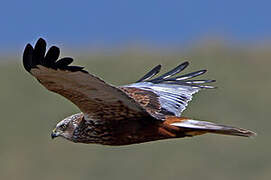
(63, 126)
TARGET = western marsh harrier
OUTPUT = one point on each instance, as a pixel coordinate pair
(147, 110)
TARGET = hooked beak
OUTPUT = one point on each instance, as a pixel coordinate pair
(54, 134)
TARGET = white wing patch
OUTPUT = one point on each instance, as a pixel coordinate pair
(174, 92)
(173, 98)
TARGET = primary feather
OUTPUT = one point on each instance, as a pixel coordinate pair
(151, 73)
(173, 93)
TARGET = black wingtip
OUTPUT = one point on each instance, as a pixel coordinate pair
(159, 66)
(168, 78)
(212, 80)
(151, 73)
(190, 75)
(27, 57)
(171, 73)
(41, 42)
(37, 56)
(41, 39)
(186, 63)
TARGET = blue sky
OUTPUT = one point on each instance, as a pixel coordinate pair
(111, 23)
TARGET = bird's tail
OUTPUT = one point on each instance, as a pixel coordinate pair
(195, 127)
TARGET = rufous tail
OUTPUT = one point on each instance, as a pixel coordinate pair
(201, 127)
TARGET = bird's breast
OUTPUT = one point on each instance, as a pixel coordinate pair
(121, 132)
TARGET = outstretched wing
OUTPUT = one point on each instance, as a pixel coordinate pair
(95, 98)
(166, 95)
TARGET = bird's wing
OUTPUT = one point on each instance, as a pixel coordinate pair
(95, 98)
(166, 95)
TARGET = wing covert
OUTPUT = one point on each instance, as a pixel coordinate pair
(95, 98)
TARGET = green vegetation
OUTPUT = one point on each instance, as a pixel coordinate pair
(29, 112)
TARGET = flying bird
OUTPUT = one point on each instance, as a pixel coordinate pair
(149, 109)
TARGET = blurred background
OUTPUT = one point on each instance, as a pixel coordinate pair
(120, 41)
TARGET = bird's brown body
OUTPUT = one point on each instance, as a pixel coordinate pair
(147, 110)
(129, 131)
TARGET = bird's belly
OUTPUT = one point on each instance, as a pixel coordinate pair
(124, 133)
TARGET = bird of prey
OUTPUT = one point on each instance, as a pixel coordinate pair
(149, 109)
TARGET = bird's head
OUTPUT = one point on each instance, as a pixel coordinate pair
(66, 127)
